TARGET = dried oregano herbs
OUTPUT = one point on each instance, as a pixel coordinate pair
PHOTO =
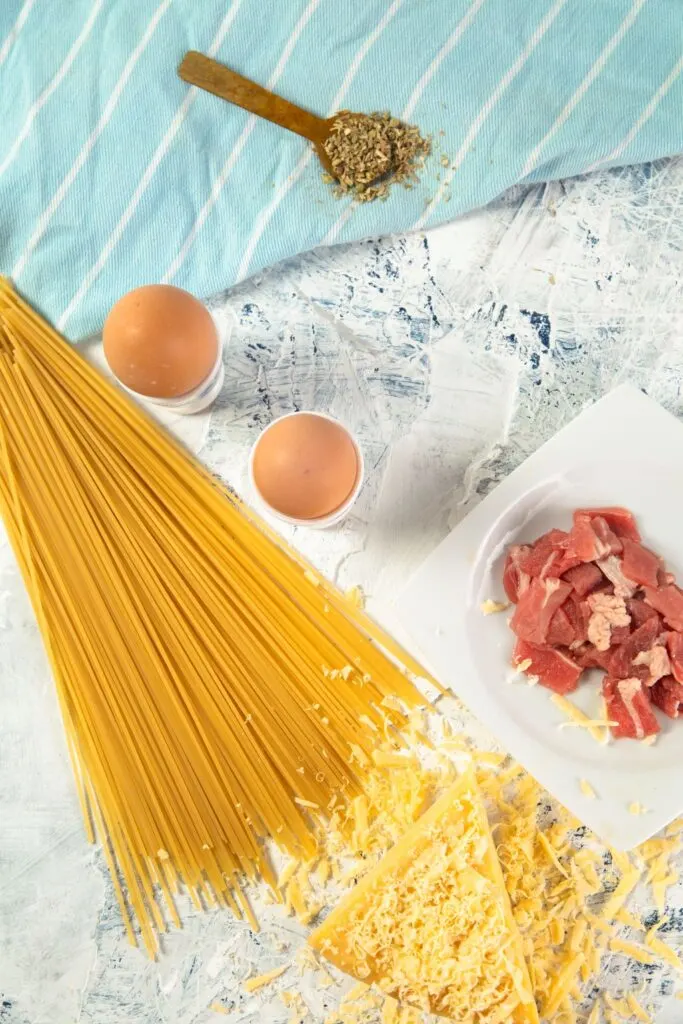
(371, 152)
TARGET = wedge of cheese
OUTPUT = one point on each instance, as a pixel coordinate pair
(431, 925)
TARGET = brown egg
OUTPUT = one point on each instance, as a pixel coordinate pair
(160, 341)
(305, 466)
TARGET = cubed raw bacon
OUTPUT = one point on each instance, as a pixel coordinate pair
(590, 539)
(620, 520)
(561, 632)
(588, 656)
(536, 607)
(656, 661)
(578, 613)
(667, 694)
(642, 639)
(584, 577)
(619, 635)
(611, 567)
(628, 704)
(555, 668)
(515, 579)
(575, 593)
(640, 612)
(674, 643)
(639, 564)
(545, 557)
(668, 601)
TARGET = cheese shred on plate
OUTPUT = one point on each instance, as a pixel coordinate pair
(431, 925)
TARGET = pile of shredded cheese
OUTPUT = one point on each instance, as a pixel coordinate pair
(431, 925)
(567, 891)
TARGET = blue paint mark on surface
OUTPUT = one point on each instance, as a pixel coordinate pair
(541, 324)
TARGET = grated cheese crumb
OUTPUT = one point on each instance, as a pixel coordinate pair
(261, 980)
(631, 950)
(219, 1008)
(587, 789)
(491, 607)
(356, 597)
(637, 1010)
(637, 808)
(664, 951)
(624, 917)
(597, 729)
(594, 1017)
(618, 1006)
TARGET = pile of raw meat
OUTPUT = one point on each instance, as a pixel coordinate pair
(595, 597)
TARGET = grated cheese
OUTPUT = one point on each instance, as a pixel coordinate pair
(637, 1010)
(491, 607)
(594, 1017)
(392, 759)
(624, 917)
(261, 980)
(631, 950)
(619, 1006)
(551, 882)
(598, 729)
(287, 873)
(219, 1008)
(587, 789)
(356, 597)
(667, 954)
(636, 808)
(371, 934)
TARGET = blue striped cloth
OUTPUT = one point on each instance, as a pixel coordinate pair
(114, 173)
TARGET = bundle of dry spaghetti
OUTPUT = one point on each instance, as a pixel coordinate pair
(213, 689)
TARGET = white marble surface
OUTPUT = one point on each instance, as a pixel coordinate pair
(452, 356)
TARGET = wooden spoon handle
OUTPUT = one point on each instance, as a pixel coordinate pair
(208, 74)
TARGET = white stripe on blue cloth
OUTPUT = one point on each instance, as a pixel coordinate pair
(227, 167)
(594, 73)
(270, 209)
(146, 179)
(76, 167)
(491, 102)
(15, 30)
(56, 81)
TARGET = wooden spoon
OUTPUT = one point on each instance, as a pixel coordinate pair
(208, 74)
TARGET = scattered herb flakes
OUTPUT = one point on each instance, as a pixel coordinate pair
(371, 152)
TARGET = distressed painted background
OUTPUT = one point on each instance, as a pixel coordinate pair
(453, 356)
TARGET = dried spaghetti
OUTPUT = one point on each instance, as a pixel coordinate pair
(211, 686)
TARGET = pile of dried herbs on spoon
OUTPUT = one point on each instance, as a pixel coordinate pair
(371, 152)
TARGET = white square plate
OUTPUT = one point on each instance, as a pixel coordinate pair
(625, 450)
